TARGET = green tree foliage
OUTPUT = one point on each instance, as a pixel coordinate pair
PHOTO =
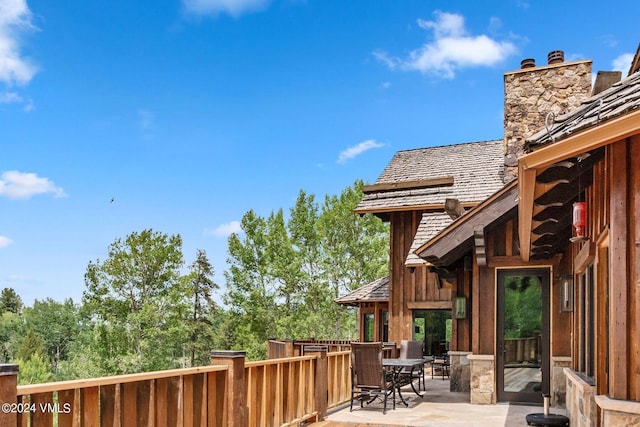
(139, 312)
(202, 309)
(136, 299)
(523, 307)
(35, 370)
(12, 331)
(57, 324)
(286, 273)
(10, 301)
(30, 346)
(356, 250)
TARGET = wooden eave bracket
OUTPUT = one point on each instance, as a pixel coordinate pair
(479, 246)
(531, 164)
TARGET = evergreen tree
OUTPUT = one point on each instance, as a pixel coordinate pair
(203, 307)
(10, 301)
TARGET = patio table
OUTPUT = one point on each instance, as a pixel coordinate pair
(396, 366)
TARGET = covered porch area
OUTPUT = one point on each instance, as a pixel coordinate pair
(438, 407)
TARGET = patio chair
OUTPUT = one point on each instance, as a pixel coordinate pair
(369, 379)
(412, 350)
(440, 365)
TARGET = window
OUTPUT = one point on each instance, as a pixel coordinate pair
(385, 325)
(369, 327)
(587, 324)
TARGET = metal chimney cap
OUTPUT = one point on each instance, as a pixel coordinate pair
(528, 63)
(555, 57)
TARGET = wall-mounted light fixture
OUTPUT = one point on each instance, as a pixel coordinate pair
(460, 307)
(566, 302)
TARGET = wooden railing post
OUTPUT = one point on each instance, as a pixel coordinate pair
(321, 378)
(236, 405)
(8, 395)
(288, 348)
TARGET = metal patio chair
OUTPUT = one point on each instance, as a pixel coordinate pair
(369, 379)
(412, 350)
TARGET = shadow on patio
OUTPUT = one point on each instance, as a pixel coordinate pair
(438, 407)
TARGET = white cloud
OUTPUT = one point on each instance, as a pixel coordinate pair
(452, 48)
(356, 150)
(386, 85)
(15, 19)
(623, 63)
(10, 98)
(15, 98)
(225, 230)
(5, 241)
(22, 185)
(234, 8)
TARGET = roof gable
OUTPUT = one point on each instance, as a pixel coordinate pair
(477, 169)
(378, 290)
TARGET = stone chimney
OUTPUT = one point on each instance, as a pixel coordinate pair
(532, 92)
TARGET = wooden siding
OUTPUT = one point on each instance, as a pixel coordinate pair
(614, 248)
(618, 338)
(560, 321)
(408, 286)
(634, 279)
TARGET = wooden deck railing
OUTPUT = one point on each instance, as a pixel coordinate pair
(339, 377)
(230, 392)
(291, 348)
(193, 396)
(522, 350)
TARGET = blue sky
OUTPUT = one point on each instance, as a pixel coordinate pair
(188, 113)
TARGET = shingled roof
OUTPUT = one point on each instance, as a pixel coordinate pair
(378, 290)
(621, 98)
(431, 224)
(477, 169)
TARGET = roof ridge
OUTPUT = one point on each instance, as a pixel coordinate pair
(450, 145)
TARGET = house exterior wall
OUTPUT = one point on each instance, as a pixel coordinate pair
(613, 249)
(409, 288)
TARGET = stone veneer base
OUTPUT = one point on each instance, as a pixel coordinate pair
(482, 381)
(618, 412)
(460, 371)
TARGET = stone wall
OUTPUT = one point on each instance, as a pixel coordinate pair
(618, 412)
(482, 381)
(460, 374)
(581, 404)
(559, 380)
(531, 93)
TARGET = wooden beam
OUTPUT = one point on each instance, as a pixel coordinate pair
(445, 181)
(425, 207)
(461, 231)
(585, 256)
(475, 308)
(618, 277)
(429, 305)
(526, 190)
(634, 279)
(516, 261)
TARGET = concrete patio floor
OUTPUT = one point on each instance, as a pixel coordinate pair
(438, 407)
